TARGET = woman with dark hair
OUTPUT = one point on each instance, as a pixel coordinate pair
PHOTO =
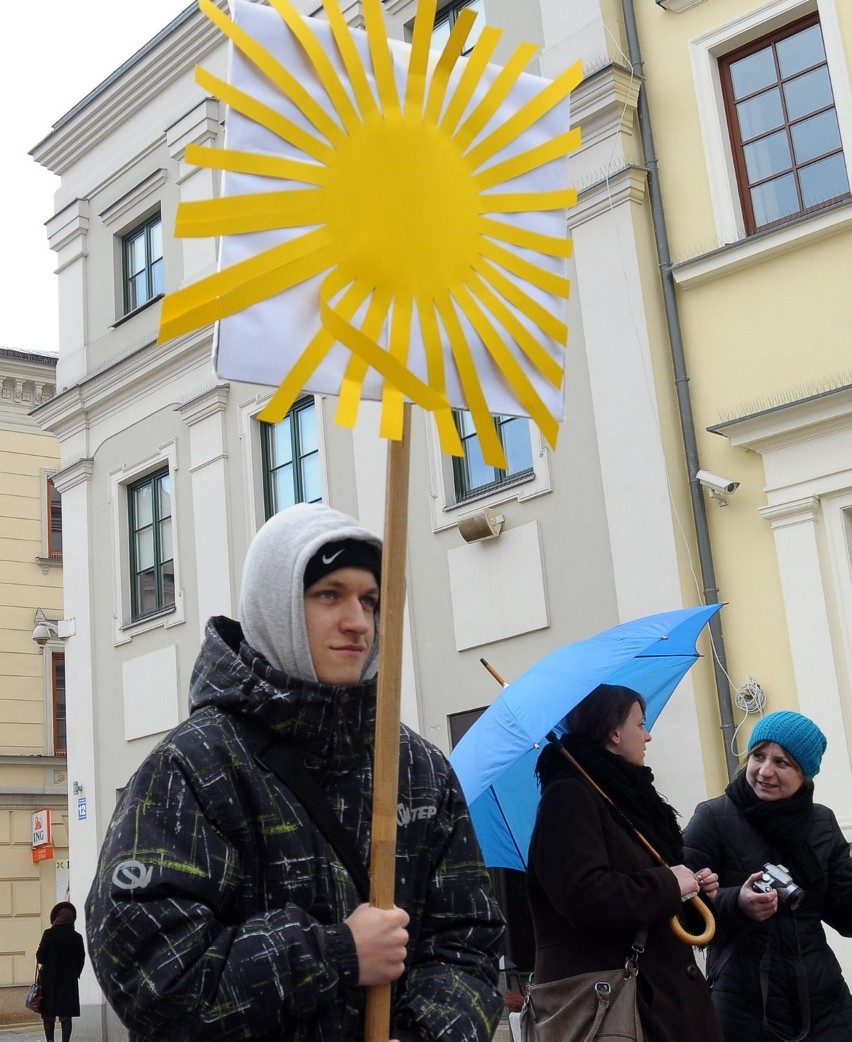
(772, 972)
(61, 955)
(593, 886)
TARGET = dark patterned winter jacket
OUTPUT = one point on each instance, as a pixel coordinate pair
(719, 835)
(217, 908)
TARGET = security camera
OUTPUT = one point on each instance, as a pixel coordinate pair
(42, 634)
(716, 483)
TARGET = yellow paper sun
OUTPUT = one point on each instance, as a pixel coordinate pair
(399, 193)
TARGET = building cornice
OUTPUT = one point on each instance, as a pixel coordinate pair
(171, 54)
(122, 382)
(811, 417)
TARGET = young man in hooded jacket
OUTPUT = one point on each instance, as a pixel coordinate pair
(220, 910)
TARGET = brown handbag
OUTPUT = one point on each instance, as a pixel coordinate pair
(591, 1007)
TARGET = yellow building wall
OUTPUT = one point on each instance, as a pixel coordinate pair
(760, 336)
(28, 770)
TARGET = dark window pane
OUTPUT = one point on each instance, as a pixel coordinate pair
(808, 93)
(761, 114)
(824, 181)
(775, 200)
(753, 73)
(767, 156)
(816, 136)
(800, 51)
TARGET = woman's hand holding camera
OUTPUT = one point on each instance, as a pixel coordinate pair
(754, 904)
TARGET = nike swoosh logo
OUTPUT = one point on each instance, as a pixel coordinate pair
(327, 559)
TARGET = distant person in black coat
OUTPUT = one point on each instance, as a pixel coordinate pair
(61, 956)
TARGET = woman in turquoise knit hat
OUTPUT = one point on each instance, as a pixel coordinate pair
(784, 870)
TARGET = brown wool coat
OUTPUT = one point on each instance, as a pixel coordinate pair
(591, 885)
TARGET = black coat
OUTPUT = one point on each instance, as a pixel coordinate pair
(720, 836)
(591, 886)
(61, 956)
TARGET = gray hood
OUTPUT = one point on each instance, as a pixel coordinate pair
(272, 597)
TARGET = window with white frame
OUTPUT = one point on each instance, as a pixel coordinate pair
(152, 566)
(784, 129)
(142, 255)
(447, 18)
(291, 459)
(472, 476)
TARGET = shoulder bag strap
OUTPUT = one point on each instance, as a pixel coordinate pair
(286, 764)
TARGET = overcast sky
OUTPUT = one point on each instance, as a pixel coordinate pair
(52, 53)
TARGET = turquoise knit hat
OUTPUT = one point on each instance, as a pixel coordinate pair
(800, 736)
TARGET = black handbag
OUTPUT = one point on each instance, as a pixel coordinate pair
(590, 1007)
(33, 997)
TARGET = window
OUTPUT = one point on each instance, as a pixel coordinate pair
(471, 473)
(152, 564)
(57, 685)
(783, 124)
(291, 463)
(447, 18)
(54, 521)
(143, 263)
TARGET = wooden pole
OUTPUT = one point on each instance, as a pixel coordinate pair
(386, 766)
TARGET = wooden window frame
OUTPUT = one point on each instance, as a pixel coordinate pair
(140, 230)
(58, 705)
(744, 186)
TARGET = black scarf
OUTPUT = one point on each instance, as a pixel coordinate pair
(629, 786)
(785, 825)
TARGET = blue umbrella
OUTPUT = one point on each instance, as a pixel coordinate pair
(495, 760)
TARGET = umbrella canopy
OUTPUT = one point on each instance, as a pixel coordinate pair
(495, 760)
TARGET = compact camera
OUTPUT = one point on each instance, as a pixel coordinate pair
(776, 877)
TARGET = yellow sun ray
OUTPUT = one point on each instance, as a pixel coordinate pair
(477, 62)
(497, 93)
(374, 22)
(507, 364)
(319, 59)
(523, 163)
(546, 322)
(419, 59)
(283, 78)
(254, 163)
(244, 284)
(519, 202)
(538, 241)
(364, 96)
(400, 335)
(447, 430)
(256, 212)
(532, 348)
(449, 56)
(492, 448)
(284, 128)
(549, 281)
(371, 143)
(356, 367)
(528, 114)
(291, 386)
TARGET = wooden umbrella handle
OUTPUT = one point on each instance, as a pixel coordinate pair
(698, 939)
